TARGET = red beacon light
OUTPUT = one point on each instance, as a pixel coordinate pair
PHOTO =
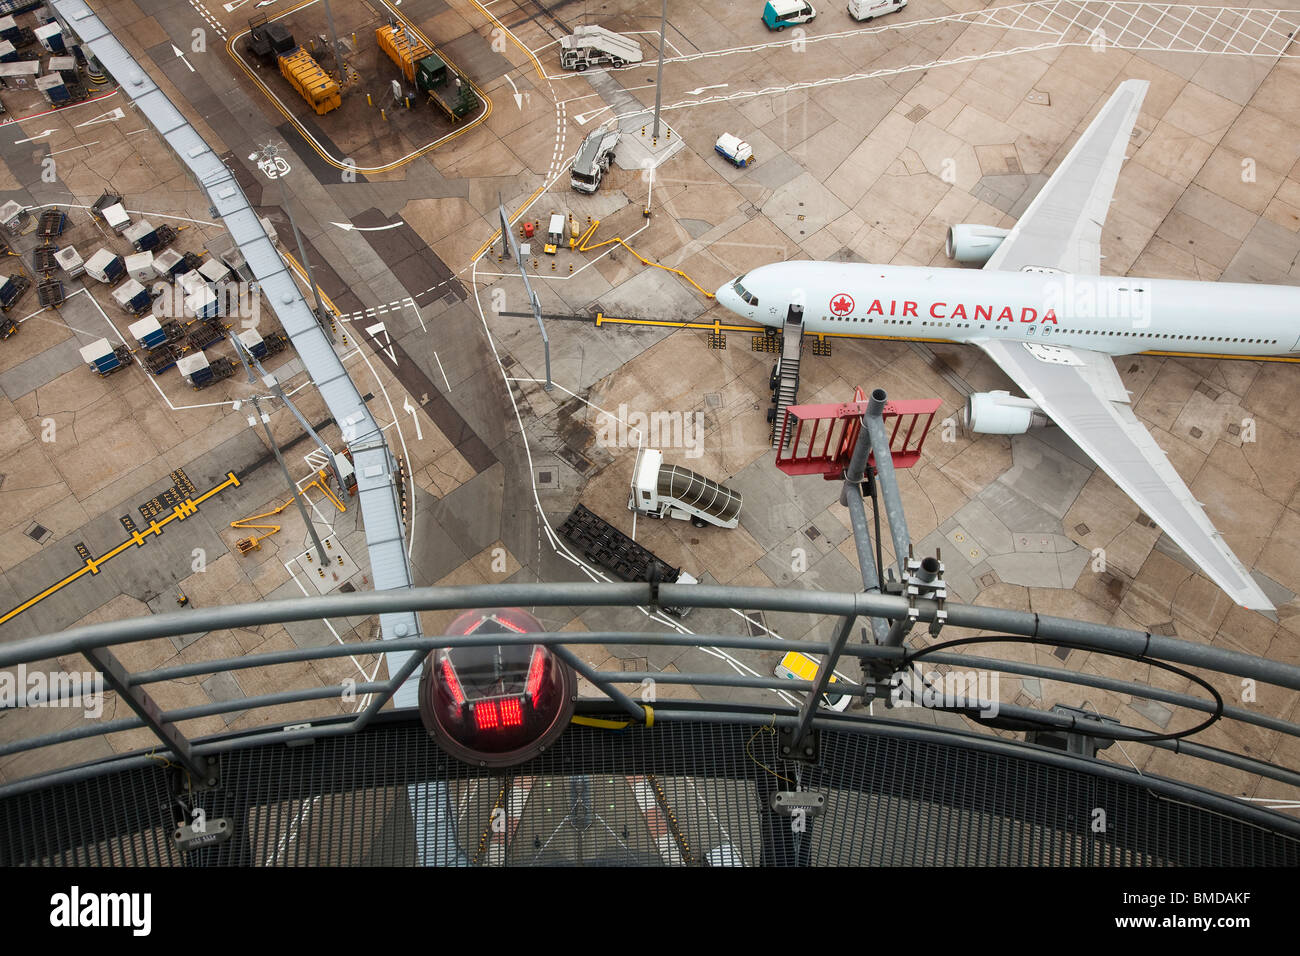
(496, 705)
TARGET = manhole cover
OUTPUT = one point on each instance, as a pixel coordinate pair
(38, 533)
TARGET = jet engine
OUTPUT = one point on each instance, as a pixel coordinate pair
(968, 243)
(1001, 413)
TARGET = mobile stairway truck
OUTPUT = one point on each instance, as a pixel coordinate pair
(667, 491)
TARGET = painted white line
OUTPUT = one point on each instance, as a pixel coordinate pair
(71, 148)
(441, 369)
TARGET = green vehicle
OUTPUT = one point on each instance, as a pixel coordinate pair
(779, 14)
(450, 92)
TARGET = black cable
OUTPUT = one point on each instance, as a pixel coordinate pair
(909, 660)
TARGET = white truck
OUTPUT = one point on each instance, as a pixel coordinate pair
(593, 46)
(554, 234)
(667, 491)
(594, 158)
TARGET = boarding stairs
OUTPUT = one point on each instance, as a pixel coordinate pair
(785, 378)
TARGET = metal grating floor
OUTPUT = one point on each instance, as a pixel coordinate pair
(677, 794)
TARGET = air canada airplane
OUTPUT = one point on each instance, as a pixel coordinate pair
(1041, 310)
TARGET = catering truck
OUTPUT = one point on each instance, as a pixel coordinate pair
(594, 158)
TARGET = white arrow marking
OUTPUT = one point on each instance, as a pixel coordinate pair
(232, 7)
(181, 56)
(408, 407)
(32, 139)
(348, 225)
(715, 86)
(384, 345)
(112, 116)
(519, 97)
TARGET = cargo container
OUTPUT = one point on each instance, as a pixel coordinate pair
(20, 74)
(132, 297)
(403, 48)
(148, 332)
(55, 91)
(13, 216)
(318, 88)
(105, 266)
(140, 267)
(51, 37)
(69, 261)
(168, 264)
(254, 343)
(103, 358)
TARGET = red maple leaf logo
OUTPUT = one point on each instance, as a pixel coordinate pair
(842, 304)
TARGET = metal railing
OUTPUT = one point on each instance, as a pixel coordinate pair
(889, 607)
(1167, 652)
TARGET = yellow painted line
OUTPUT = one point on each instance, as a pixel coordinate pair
(1237, 358)
(541, 74)
(302, 274)
(307, 137)
(717, 327)
(93, 564)
(497, 234)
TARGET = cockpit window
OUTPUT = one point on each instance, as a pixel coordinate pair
(745, 296)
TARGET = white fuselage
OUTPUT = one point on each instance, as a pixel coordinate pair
(1112, 314)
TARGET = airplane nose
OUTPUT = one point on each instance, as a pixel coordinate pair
(727, 298)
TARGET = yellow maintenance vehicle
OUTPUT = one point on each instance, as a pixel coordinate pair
(446, 88)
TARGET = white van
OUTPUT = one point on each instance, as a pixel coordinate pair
(779, 14)
(865, 10)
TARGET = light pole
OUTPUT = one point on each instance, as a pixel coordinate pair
(297, 497)
(659, 79)
(266, 159)
(334, 37)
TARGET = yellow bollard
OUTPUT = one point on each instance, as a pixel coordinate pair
(570, 268)
(369, 101)
(408, 101)
(382, 114)
(642, 130)
(552, 265)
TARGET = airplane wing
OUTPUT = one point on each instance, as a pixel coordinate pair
(1061, 229)
(1082, 392)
